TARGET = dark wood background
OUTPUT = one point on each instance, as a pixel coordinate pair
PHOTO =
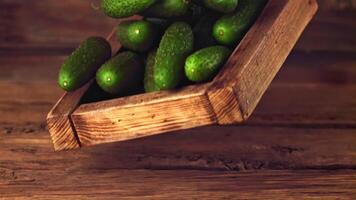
(299, 143)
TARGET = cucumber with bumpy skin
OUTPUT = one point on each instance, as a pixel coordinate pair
(120, 74)
(205, 63)
(230, 29)
(136, 35)
(82, 64)
(124, 8)
(168, 8)
(176, 44)
(224, 6)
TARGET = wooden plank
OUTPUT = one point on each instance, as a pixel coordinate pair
(39, 68)
(59, 123)
(259, 57)
(308, 104)
(142, 115)
(228, 148)
(225, 105)
(341, 5)
(146, 184)
(60, 27)
(333, 30)
(26, 102)
(300, 67)
(336, 68)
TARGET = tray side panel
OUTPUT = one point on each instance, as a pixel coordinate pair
(62, 133)
(119, 123)
(262, 52)
(225, 105)
(59, 123)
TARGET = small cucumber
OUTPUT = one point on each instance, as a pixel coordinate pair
(120, 74)
(176, 44)
(136, 35)
(224, 6)
(168, 8)
(205, 63)
(82, 64)
(230, 29)
(149, 83)
(124, 8)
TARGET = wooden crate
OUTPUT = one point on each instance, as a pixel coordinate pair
(229, 99)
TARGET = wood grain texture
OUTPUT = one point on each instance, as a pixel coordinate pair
(61, 27)
(143, 184)
(259, 57)
(330, 31)
(225, 105)
(59, 123)
(142, 115)
(228, 148)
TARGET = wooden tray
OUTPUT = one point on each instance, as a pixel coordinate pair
(229, 99)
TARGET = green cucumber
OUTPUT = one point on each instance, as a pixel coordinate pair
(176, 44)
(124, 8)
(122, 73)
(136, 35)
(168, 8)
(230, 29)
(204, 64)
(224, 6)
(82, 64)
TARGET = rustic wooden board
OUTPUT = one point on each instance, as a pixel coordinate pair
(58, 29)
(59, 123)
(142, 115)
(142, 184)
(231, 148)
(61, 27)
(259, 57)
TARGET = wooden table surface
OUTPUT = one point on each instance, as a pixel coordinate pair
(299, 144)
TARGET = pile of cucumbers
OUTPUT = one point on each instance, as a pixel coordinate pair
(177, 42)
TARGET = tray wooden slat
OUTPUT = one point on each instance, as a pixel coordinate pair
(258, 58)
(59, 122)
(143, 115)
